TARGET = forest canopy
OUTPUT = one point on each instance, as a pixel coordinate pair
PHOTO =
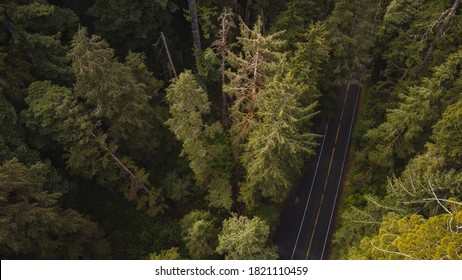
(166, 129)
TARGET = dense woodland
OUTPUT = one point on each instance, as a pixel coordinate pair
(162, 129)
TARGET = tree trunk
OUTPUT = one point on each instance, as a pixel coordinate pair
(222, 47)
(248, 11)
(194, 25)
(168, 55)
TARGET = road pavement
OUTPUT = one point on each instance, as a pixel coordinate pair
(306, 223)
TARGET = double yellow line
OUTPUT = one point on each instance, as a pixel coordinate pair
(328, 172)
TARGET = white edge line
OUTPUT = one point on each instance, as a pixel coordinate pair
(309, 196)
(341, 174)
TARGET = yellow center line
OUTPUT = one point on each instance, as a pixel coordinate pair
(344, 102)
(336, 136)
(328, 173)
(341, 118)
(319, 209)
(312, 234)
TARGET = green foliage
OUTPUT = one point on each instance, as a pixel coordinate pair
(188, 103)
(424, 179)
(307, 63)
(178, 187)
(207, 63)
(353, 222)
(77, 113)
(170, 254)
(12, 142)
(414, 238)
(32, 224)
(447, 134)
(204, 145)
(31, 44)
(417, 83)
(107, 107)
(106, 85)
(296, 18)
(272, 104)
(252, 66)
(13, 145)
(131, 25)
(53, 111)
(408, 126)
(351, 29)
(412, 32)
(48, 106)
(208, 11)
(400, 13)
(243, 238)
(89, 116)
(116, 96)
(277, 145)
(200, 234)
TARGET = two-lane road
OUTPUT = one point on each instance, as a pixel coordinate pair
(305, 225)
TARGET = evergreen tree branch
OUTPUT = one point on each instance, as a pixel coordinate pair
(450, 13)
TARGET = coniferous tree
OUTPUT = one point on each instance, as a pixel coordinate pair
(245, 239)
(296, 19)
(252, 68)
(414, 238)
(32, 35)
(171, 254)
(308, 60)
(107, 108)
(277, 146)
(448, 137)
(408, 126)
(200, 234)
(351, 27)
(267, 113)
(411, 31)
(205, 145)
(12, 136)
(69, 122)
(131, 25)
(32, 224)
(112, 92)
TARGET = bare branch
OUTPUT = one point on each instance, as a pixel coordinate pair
(392, 252)
(369, 198)
(437, 199)
(135, 179)
(168, 54)
(440, 199)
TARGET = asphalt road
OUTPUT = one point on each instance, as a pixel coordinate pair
(306, 223)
